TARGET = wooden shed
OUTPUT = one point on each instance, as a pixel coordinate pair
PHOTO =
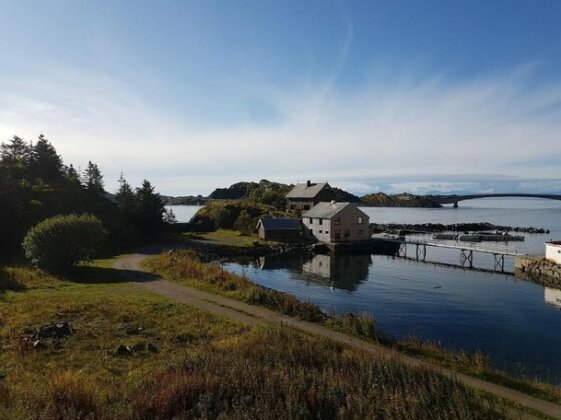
(280, 229)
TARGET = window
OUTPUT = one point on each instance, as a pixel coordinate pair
(320, 221)
(360, 220)
(311, 221)
(306, 207)
(337, 220)
(327, 232)
(320, 231)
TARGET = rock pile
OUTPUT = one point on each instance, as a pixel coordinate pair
(542, 271)
(123, 350)
(49, 334)
(405, 228)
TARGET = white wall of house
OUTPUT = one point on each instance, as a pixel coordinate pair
(318, 228)
(553, 252)
(350, 224)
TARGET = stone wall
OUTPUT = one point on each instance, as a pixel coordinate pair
(539, 270)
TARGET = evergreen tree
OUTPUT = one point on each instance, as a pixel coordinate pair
(126, 200)
(150, 209)
(46, 164)
(16, 152)
(72, 175)
(92, 179)
(169, 217)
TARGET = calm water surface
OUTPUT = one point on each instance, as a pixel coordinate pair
(183, 213)
(517, 323)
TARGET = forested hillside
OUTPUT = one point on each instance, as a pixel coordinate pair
(36, 184)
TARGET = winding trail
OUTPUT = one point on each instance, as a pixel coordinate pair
(132, 270)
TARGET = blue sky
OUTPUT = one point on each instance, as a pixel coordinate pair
(369, 95)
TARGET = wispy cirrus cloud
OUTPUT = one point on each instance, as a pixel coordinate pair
(495, 125)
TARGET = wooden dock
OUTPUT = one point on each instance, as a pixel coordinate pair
(466, 250)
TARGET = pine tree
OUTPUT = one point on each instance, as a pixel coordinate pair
(150, 209)
(92, 179)
(16, 152)
(126, 200)
(46, 164)
(72, 175)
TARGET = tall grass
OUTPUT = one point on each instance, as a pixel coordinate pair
(186, 267)
(276, 373)
(72, 395)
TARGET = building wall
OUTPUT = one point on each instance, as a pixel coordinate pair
(300, 203)
(344, 227)
(279, 235)
(553, 253)
(348, 227)
(327, 194)
(317, 228)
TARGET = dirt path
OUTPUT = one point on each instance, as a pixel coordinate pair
(250, 314)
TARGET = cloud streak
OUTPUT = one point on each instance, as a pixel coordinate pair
(385, 128)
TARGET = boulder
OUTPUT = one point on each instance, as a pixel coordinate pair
(59, 330)
(138, 347)
(123, 351)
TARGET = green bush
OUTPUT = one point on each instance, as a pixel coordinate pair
(223, 214)
(62, 241)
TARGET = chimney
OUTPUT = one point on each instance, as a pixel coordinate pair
(308, 183)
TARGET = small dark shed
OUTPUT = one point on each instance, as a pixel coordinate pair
(280, 229)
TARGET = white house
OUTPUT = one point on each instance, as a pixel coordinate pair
(332, 222)
(553, 251)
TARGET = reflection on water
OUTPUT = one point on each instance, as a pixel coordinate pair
(552, 297)
(344, 272)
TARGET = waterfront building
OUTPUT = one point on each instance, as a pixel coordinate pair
(334, 222)
(553, 251)
(305, 196)
(280, 229)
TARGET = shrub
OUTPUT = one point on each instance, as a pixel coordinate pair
(245, 223)
(62, 241)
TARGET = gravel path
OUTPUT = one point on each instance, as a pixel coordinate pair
(133, 271)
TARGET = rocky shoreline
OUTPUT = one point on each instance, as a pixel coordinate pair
(539, 270)
(420, 228)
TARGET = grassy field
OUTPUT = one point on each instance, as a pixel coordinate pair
(205, 366)
(229, 238)
(185, 267)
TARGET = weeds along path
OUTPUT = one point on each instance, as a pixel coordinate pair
(133, 271)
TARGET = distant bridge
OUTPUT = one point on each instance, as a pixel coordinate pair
(455, 199)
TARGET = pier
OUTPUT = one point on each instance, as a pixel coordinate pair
(466, 249)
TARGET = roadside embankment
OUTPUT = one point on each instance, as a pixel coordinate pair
(539, 270)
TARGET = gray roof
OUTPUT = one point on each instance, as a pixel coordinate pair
(325, 210)
(281, 224)
(303, 191)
